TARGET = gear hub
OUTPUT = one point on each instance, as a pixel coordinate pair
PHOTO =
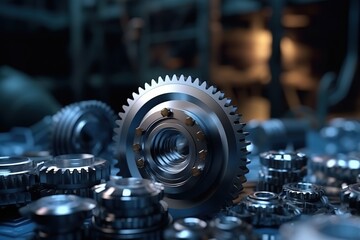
(186, 135)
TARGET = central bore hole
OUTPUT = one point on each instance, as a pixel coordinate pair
(170, 150)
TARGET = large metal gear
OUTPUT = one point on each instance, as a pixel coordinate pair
(83, 127)
(186, 135)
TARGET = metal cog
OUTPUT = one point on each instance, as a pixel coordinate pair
(83, 127)
(186, 135)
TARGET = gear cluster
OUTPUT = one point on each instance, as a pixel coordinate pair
(180, 153)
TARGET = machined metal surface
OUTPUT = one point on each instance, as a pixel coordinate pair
(17, 175)
(73, 174)
(186, 135)
(83, 127)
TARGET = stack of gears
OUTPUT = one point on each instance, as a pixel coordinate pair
(279, 168)
(129, 208)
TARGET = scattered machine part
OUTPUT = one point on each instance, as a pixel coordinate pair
(129, 208)
(169, 131)
(324, 227)
(17, 175)
(73, 174)
(350, 197)
(280, 167)
(310, 198)
(189, 228)
(85, 126)
(59, 216)
(264, 209)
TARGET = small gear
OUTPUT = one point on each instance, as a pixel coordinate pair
(129, 208)
(80, 127)
(279, 168)
(17, 176)
(186, 135)
(283, 160)
(310, 198)
(59, 216)
(264, 209)
(73, 174)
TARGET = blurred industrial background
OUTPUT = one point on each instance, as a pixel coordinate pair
(284, 58)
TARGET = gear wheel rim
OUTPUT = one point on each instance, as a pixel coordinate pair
(225, 128)
(66, 140)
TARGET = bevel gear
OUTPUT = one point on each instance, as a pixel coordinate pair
(186, 135)
(83, 127)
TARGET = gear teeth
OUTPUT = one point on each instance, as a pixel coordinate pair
(188, 79)
(141, 90)
(153, 82)
(173, 78)
(228, 102)
(196, 82)
(129, 101)
(181, 78)
(134, 95)
(147, 86)
(161, 80)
